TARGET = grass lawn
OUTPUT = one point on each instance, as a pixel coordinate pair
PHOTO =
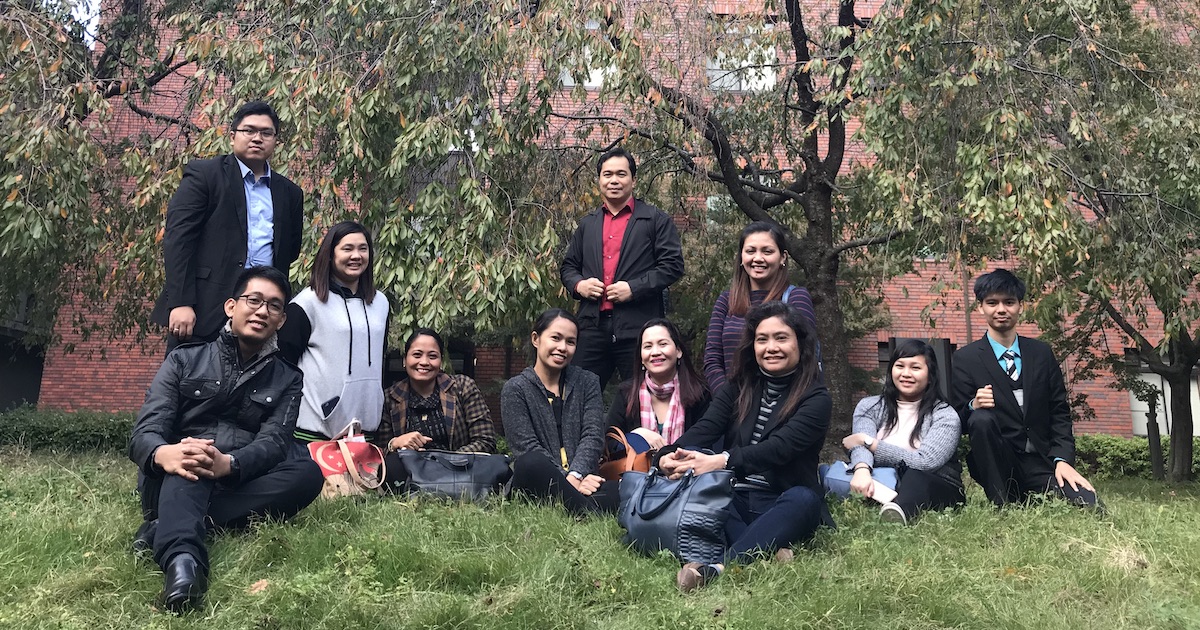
(66, 524)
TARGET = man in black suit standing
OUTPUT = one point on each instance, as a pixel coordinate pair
(622, 258)
(1010, 394)
(230, 213)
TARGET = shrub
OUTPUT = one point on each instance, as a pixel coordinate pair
(73, 431)
(1112, 456)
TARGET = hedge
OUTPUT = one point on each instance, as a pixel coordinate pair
(73, 431)
(1113, 456)
(1096, 455)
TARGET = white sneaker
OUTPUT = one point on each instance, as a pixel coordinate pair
(892, 513)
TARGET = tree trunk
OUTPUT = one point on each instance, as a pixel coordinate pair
(821, 275)
(835, 356)
(1180, 455)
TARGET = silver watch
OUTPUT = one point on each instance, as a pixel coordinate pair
(868, 441)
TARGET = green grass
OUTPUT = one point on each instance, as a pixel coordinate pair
(66, 522)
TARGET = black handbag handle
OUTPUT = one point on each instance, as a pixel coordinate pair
(639, 506)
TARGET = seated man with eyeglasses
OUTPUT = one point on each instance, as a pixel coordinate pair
(230, 213)
(214, 437)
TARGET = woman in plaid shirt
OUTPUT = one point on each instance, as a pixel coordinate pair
(431, 409)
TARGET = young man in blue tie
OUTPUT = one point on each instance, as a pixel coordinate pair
(1009, 391)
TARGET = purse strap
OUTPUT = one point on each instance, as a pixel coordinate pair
(352, 466)
(652, 513)
(619, 435)
(353, 428)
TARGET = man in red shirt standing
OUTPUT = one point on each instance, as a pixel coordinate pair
(620, 262)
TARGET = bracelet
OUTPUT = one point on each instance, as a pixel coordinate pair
(726, 454)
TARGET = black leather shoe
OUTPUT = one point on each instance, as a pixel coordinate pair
(184, 583)
(143, 540)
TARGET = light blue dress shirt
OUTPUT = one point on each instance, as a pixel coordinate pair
(999, 350)
(260, 217)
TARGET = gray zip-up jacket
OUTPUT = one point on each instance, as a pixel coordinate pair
(529, 421)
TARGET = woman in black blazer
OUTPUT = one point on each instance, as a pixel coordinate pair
(773, 416)
(668, 396)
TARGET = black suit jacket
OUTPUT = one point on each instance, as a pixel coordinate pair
(204, 247)
(651, 260)
(1046, 421)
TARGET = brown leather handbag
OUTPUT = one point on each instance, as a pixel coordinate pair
(613, 464)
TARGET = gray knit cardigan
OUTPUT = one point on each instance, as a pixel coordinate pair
(529, 421)
(939, 438)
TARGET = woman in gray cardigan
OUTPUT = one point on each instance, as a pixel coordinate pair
(903, 452)
(553, 420)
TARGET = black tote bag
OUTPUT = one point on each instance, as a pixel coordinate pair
(686, 516)
(452, 475)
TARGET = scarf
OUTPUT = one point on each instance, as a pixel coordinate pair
(673, 427)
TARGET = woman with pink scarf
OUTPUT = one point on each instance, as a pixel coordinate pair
(667, 396)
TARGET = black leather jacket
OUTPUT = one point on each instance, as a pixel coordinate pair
(203, 391)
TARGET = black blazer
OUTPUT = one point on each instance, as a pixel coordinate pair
(618, 418)
(788, 451)
(651, 260)
(1046, 421)
(204, 247)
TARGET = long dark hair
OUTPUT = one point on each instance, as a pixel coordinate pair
(739, 292)
(323, 266)
(692, 388)
(930, 400)
(747, 374)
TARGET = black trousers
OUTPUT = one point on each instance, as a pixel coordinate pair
(920, 490)
(535, 475)
(1008, 475)
(187, 509)
(600, 353)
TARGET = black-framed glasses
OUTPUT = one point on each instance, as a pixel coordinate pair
(255, 302)
(265, 134)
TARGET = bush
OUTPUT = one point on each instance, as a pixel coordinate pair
(53, 429)
(1112, 456)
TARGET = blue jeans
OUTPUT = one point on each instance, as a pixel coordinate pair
(836, 478)
(764, 521)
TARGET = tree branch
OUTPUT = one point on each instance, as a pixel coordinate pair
(868, 241)
(171, 120)
(1144, 347)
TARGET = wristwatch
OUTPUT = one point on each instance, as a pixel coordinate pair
(868, 441)
(235, 469)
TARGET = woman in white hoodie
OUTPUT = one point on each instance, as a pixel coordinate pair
(335, 333)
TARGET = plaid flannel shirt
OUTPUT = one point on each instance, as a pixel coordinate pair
(468, 420)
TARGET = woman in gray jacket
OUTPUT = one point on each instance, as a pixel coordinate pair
(903, 452)
(553, 419)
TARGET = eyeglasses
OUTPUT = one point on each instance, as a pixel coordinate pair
(255, 302)
(265, 134)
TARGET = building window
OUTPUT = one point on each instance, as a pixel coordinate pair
(595, 69)
(745, 59)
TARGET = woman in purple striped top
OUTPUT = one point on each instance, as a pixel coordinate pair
(759, 275)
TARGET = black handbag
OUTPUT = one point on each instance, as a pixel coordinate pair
(452, 475)
(686, 516)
